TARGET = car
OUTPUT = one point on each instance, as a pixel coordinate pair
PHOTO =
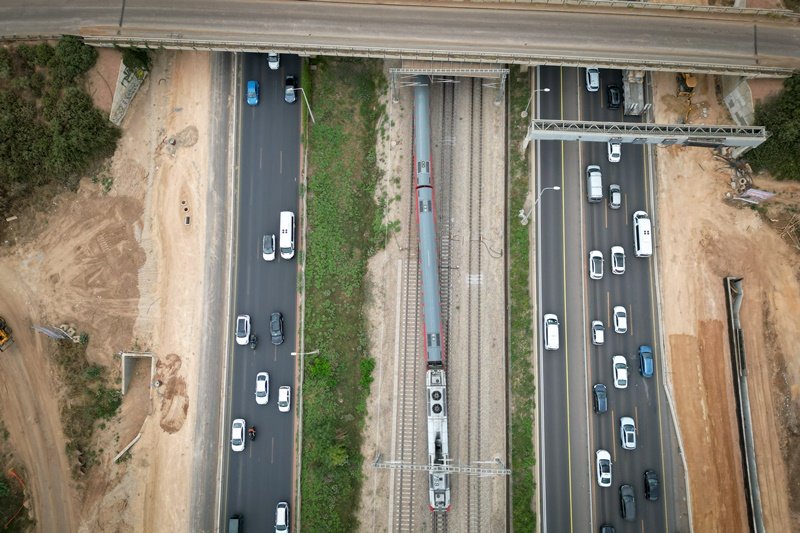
(646, 363)
(242, 329)
(592, 79)
(252, 92)
(262, 388)
(289, 90)
(614, 151)
(284, 398)
(651, 490)
(613, 96)
(607, 528)
(627, 503)
(237, 435)
(600, 398)
(596, 264)
(614, 196)
(276, 328)
(273, 60)
(282, 517)
(603, 468)
(627, 433)
(551, 340)
(268, 247)
(598, 333)
(617, 260)
(620, 319)
(620, 367)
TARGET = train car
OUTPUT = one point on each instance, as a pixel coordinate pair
(438, 444)
(426, 216)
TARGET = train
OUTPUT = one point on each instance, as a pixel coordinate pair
(435, 380)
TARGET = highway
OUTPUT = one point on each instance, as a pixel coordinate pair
(522, 32)
(568, 228)
(269, 162)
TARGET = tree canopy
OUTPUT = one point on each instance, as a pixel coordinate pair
(780, 154)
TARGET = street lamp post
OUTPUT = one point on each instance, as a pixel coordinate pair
(523, 217)
(545, 90)
(307, 104)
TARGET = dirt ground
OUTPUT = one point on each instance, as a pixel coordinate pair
(112, 263)
(703, 237)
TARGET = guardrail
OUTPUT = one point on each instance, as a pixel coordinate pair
(616, 4)
(180, 42)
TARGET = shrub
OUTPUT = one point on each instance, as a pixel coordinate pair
(71, 59)
(780, 154)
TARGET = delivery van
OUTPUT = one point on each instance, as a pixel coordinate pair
(286, 239)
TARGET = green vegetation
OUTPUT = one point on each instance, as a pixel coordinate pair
(780, 154)
(341, 214)
(136, 59)
(12, 496)
(87, 399)
(523, 385)
(50, 131)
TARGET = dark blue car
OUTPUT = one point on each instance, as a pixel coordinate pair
(646, 361)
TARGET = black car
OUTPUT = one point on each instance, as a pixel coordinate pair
(276, 328)
(613, 96)
(605, 528)
(600, 398)
(651, 490)
(627, 503)
(289, 90)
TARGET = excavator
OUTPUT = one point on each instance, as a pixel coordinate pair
(5, 335)
(686, 84)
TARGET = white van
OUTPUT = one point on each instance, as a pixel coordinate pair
(594, 184)
(642, 236)
(550, 332)
(286, 240)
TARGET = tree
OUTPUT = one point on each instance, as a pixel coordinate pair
(136, 59)
(71, 58)
(780, 154)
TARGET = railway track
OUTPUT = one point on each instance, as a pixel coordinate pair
(405, 494)
(475, 282)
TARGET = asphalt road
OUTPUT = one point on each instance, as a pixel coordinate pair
(535, 32)
(269, 141)
(569, 227)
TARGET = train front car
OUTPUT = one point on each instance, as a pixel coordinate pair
(438, 443)
(426, 216)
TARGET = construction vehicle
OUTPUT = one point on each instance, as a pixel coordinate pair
(686, 84)
(5, 335)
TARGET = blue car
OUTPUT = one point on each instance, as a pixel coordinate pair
(252, 92)
(646, 361)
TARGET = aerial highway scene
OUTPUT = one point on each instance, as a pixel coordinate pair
(463, 266)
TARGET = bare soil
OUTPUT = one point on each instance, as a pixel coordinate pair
(702, 237)
(112, 262)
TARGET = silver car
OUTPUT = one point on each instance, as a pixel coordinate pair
(620, 319)
(614, 196)
(627, 433)
(598, 332)
(268, 247)
(617, 260)
(593, 79)
(596, 264)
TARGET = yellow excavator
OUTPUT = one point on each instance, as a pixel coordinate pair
(5, 335)
(686, 84)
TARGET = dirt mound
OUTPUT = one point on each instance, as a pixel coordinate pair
(175, 401)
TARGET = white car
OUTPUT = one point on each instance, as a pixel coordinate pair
(243, 329)
(598, 333)
(603, 468)
(620, 319)
(596, 264)
(262, 388)
(282, 517)
(617, 260)
(273, 61)
(238, 435)
(268, 247)
(593, 79)
(620, 368)
(627, 433)
(614, 151)
(284, 398)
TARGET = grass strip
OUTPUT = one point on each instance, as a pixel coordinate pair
(523, 385)
(343, 174)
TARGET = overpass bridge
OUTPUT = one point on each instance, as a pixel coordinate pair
(534, 34)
